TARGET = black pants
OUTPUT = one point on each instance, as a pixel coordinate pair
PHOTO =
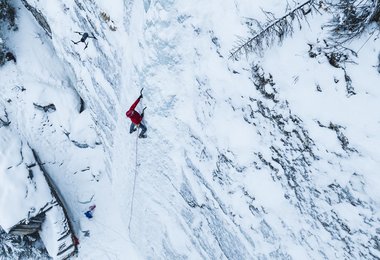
(133, 128)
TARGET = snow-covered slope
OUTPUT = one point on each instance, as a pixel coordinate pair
(271, 157)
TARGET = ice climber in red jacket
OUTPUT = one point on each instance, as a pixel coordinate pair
(136, 118)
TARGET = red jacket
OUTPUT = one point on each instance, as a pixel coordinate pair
(135, 116)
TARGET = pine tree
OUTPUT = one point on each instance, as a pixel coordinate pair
(17, 247)
(7, 15)
(352, 18)
(7, 22)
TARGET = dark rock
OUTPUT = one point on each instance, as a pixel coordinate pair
(48, 108)
(312, 53)
(82, 105)
(80, 145)
(40, 18)
(350, 89)
(264, 83)
(9, 56)
(5, 121)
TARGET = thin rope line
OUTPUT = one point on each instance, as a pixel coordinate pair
(366, 42)
(134, 183)
(111, 229)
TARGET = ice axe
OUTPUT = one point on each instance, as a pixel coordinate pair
(142, 113)
(141, 95)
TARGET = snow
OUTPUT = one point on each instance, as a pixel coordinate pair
(225, 171)
(82, 130)
(24, 190)
(52, 227)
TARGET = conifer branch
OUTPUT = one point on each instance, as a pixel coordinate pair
(275, 28)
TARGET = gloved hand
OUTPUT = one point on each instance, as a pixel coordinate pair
(141, 96)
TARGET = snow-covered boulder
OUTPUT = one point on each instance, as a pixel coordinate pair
(27, 203)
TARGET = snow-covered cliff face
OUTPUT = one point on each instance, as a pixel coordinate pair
(267, 157)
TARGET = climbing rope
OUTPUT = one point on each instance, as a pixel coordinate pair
(111, 229)
(134, 183)
(135, 177)
(371, 34)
